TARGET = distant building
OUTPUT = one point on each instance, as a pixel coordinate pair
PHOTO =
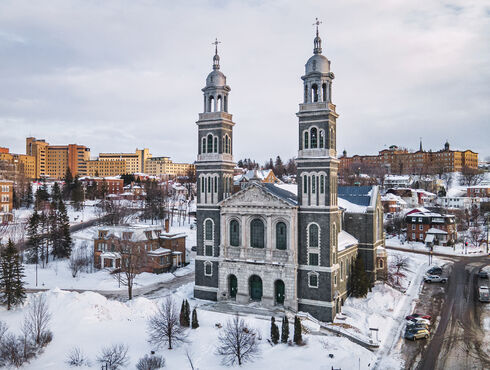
(106, 168)
(401, 161)
(421, 222)
(54, 160)
(242, 180)
(163, 166)
(6, 200)
(397, 181)
(113, 185)
(22, 164)
(478, 191)
(392, 203)
(135, 162)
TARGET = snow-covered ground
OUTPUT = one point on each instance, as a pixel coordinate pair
(90, 321)
(457, 250)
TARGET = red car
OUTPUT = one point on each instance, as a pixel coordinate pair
(418, 316)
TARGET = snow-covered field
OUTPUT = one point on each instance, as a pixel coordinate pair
(90, 321)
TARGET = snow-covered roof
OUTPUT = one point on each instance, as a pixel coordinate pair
(346, 240)
(159, 252)
(110, 255)
(172, 235)
(137, 232)
(433, 230)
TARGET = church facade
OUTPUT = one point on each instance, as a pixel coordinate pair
(287, 245)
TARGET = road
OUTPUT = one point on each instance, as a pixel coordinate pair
(458, 341)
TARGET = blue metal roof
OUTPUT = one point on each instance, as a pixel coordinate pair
(359, 195)
(281, 193)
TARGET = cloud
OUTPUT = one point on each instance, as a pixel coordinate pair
(116, 75)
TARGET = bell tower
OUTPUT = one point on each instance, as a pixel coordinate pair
(319, 217)
(214, 172)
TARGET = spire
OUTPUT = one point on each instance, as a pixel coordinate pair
(216, 56)
(420, 148)
(317, 42)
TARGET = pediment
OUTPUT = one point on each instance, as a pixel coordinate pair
(255, 196)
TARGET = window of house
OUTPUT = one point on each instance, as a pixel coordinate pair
(281, 238)
(421, 236)
(413, 235)
(313, 280)
(421, 227)
(413, 227)
(234, 233)
(257, 233)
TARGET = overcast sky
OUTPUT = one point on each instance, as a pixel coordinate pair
(117, 75)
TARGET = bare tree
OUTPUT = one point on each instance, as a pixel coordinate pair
(115, 356)
(397, 269)
(237, 343)
(471, 176)
(150, 363)
(76, 358)
(476, 235)
(78, 262)
(133, 259)
(37, 320)
(164, 327)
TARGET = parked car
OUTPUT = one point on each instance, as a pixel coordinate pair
(417, 326)
(418, 315)
(435, 279)
(436, 270)
(413, 334)
(418, 320)
(482, 274)
(484, 294)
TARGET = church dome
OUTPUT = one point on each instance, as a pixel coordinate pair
(317, 63)
(216, 78)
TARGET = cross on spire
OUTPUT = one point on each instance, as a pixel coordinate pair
(317, 23)
(215, 43)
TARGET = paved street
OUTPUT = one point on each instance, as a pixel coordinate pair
(458, 341)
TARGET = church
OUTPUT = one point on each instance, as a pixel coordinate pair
(282, 245)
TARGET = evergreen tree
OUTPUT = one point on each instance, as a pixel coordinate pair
(298, 336)
(68, 186)
(274, 331)
(182, 313)
(285, 330)
(15, 199)
(12, 290)
(195, 323)
(64, 231)
(33, 238)
(187, 314)
(77, 194)
(359, 280)
(279, 169)
(56, 193)
(28, 196)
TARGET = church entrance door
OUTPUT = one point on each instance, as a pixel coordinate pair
(279, 289)
(255, 288)
(233, 286)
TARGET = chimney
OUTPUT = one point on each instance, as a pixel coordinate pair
(166, 225)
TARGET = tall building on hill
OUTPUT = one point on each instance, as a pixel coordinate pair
(401, 161)
(163, 166)
(54, 160)
(282, 245)
(135, 162)
(21, 164)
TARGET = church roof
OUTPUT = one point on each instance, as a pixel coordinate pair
(360, 195)
(281, 193)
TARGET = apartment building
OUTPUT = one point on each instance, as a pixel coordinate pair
(113, 185)
(422, 223)
(22, 163)
(478, 191)
(6, 200)
(401, 161)
(135, 162)
(54, 160)
(163, 166)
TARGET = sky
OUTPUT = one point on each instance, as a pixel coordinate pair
(127, 74)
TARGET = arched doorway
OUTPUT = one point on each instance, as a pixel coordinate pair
(279, 291)
(232, 286)
(255, 284)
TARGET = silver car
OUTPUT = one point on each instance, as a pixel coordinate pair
(434, 279)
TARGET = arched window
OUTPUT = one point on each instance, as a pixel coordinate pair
(216, 184)
(203, 149)
(215, 145)
(220, 103)
(203, 184)
(208, 230)
(209, 185)
(211, 104)
(324, 92)
(322, 184)
(313, 236)
(257, 233)
(281, 236)
(210, 144)
(305, 184)
(313, 137)
(306, 94)
(306, 141)
(234, 233)
(226, 104)
(313, 184)
(322, 139)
